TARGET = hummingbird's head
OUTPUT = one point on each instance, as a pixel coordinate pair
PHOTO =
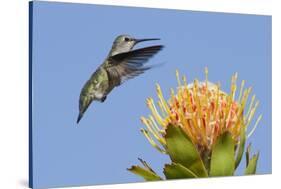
(124, 43)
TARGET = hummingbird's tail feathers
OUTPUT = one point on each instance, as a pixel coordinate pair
(84, 103)
(79, 117)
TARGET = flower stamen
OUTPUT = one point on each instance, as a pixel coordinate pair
(203, 110)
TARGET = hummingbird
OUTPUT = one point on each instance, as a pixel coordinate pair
(121, 64)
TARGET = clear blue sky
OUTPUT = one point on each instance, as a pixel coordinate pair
(71, 40)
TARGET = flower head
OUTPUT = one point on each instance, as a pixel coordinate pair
(202, 110)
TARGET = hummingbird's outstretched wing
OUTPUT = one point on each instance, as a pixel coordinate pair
(127, 65)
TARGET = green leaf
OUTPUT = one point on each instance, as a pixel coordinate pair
(222, 159)
(144, 173)
(248, 154)
(146, 165)
(177, 171)
(241, 147)
(252, 165)
(181, 150)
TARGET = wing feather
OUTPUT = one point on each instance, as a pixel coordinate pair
(130, 64)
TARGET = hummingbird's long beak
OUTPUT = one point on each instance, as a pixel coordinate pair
(149, 39)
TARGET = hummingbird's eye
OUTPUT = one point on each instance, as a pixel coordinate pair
(126, 39)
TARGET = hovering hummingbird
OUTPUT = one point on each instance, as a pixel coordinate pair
(121, 64)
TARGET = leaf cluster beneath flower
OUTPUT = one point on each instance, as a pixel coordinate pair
(187, 162)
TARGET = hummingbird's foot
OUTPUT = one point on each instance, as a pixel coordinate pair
(103, 99)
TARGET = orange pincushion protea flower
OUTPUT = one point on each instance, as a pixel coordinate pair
(202, 110)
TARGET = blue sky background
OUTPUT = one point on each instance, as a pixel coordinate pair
(71, 40)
